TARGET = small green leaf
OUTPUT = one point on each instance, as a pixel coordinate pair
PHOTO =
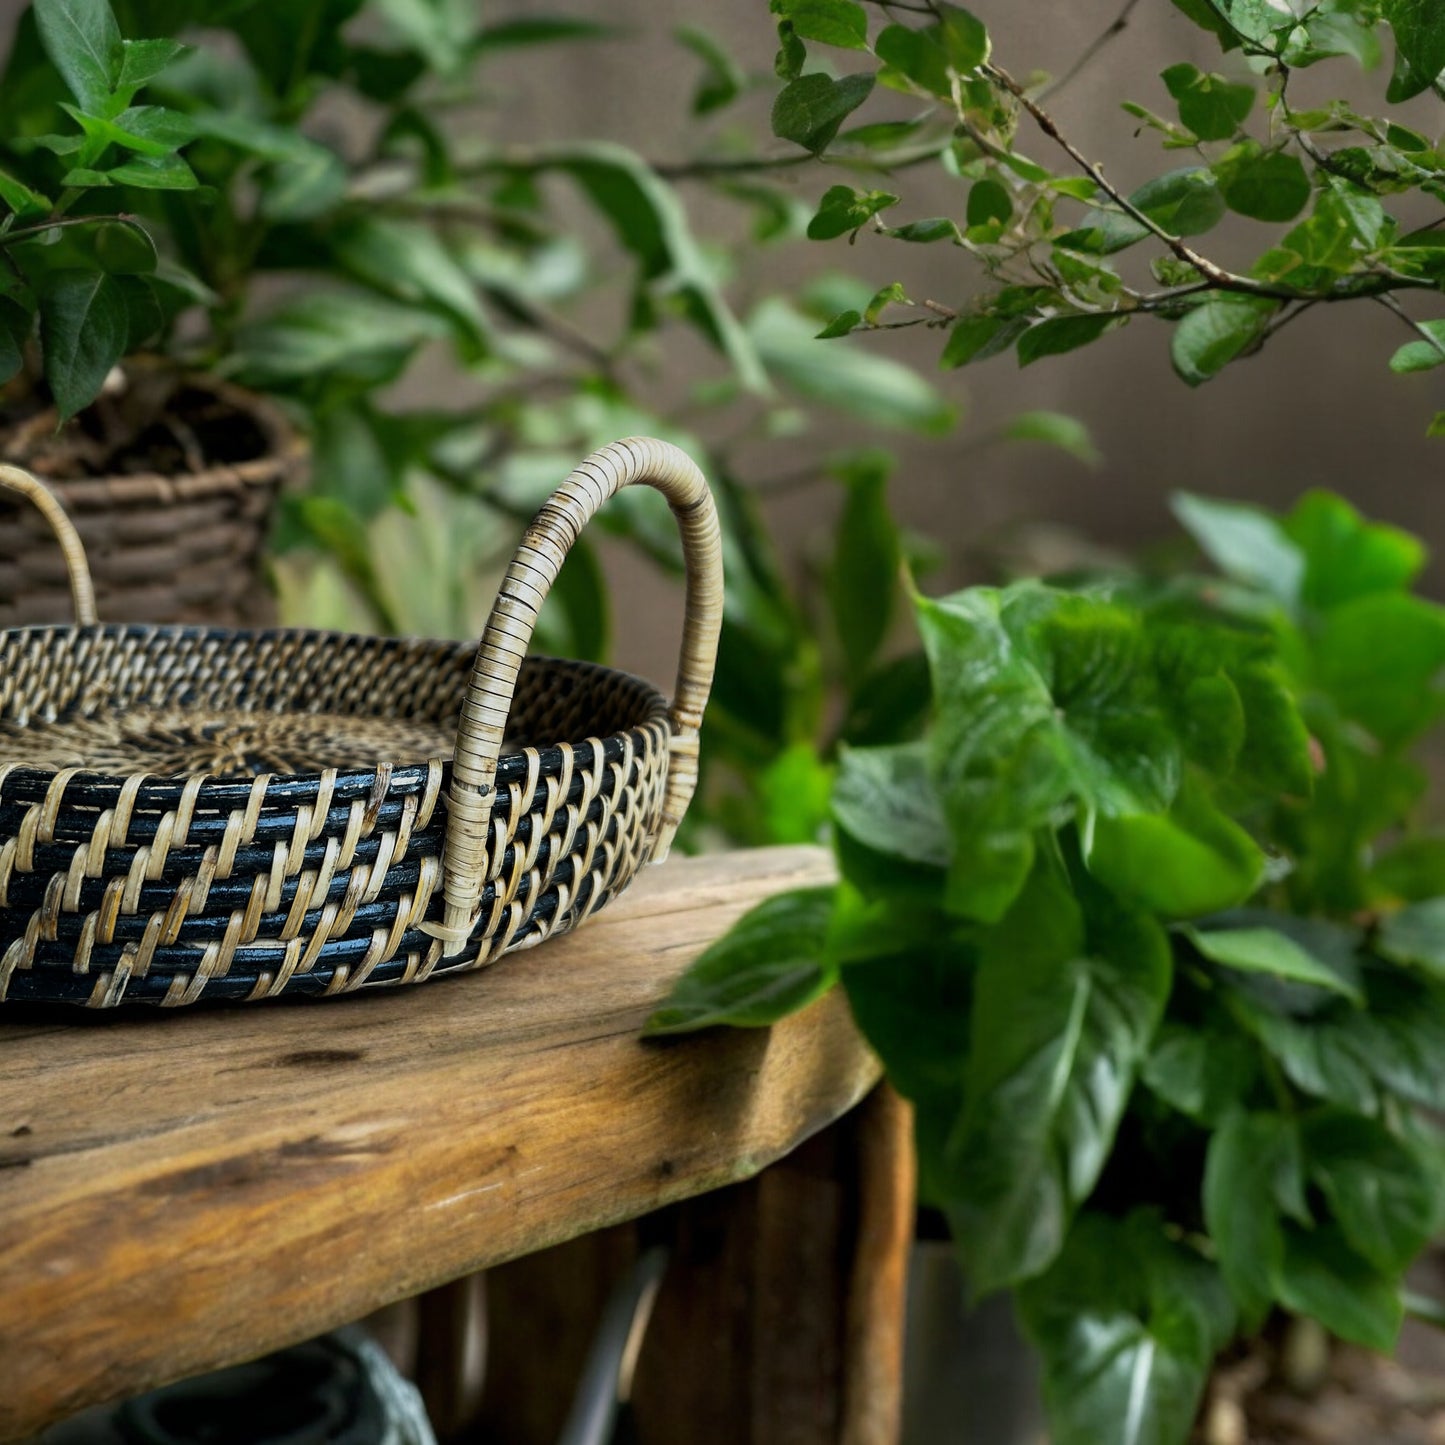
(1212, 106)
(917, 55)
(843, 324)
(25, 203)
(723, 80)
(84, 329)
(988, 200)
(882, 299)
(1212, 334)
(792, 53)
(810, 109)
(1054, 429)
(843, 23)
(772, 963)
(1421, 355)
(976, 338)
(963, 36)
(843, 209)
(154, 173)
(1263, 185)
(143, 60)
(1062, 333)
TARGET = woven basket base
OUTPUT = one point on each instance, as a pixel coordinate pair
(169, 742)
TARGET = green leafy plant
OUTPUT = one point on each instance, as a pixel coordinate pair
(1348, 200)
(1145, 925)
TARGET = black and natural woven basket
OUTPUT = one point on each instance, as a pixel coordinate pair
(188, 813)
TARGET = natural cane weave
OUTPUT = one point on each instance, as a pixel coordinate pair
(181, 548)
(190, 813)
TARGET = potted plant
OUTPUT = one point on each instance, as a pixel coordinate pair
(206, 248)
(1146, 925)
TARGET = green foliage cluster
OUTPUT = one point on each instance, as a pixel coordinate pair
(1145, 925)
(1350, 199)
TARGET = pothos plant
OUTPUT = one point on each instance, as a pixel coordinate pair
(1147, 927)
(1342, 201)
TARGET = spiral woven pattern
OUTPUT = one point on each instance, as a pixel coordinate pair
(189, 813)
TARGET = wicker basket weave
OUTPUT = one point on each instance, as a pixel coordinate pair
(183, 548)
(189, 813)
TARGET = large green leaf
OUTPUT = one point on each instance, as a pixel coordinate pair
(830, 22)
(1416, 935)
(1191, 860)
(1065, 1008)
(1419, 27)
(84, 44)
(1380, 1191)
(84, 331)
(1302, 950)
(652, 225)
(322, 338)
(1047, 705)
(1243, 542)
(1203, 1069)
(304, 178)
(884, 798)
(1128, 1323)
(1263, 185)
(1347, 557)
(773, 962)
(1380, 658)
(1323, 1277)
(862, 581)
(1352, 1056)
(410, 262)
(1212, 106)
(873, 388)
(1242, 1187)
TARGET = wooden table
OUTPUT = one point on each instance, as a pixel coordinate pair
(182, 1192)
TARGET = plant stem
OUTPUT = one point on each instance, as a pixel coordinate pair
(1117, 27)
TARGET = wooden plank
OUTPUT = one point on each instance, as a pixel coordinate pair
(187, 1191)
(779, 1320)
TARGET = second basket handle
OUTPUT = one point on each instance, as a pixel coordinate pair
(82, 590)
(509, 630)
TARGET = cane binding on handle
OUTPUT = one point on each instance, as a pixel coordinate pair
(82, 590)
(504, 645)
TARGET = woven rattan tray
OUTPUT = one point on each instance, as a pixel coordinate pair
(189, 814)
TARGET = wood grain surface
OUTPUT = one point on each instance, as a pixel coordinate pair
(186, 1191)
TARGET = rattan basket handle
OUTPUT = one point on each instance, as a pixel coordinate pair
(82, 590)
(509, 630)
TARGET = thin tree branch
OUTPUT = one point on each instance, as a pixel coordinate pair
(1391, 304)
(1117, 27)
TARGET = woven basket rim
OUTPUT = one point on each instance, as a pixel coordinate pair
(285, 450)
(510, 767)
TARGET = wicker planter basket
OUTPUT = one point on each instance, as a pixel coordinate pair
(189, 813)
(180, 548)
